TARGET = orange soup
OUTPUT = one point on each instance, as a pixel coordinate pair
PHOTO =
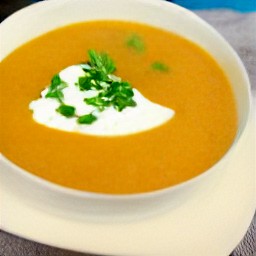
(202, 130)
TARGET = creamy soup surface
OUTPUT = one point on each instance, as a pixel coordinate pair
(200, 133)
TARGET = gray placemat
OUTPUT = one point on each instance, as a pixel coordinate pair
(240, 30)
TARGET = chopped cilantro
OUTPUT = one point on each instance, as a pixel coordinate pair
(85, 83)
(136, 43)
(66, 110)
(98, 76)
(55, 89)
(120, 95)
(56, 80)
(112, 90)
(101, 62)
(57, 94)
(98, 68)
(97, 101)
(160, 66)
(87, 119)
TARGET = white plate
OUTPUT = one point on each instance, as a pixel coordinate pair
(212, 222)
(213, 218)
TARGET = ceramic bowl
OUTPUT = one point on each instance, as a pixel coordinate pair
(42, 17)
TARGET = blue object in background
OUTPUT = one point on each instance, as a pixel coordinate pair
(238, 5)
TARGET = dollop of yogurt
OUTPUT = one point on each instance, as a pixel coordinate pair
(110, 122)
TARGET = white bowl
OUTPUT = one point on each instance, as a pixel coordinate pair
(44, 16)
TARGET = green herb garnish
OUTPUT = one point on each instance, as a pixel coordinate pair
(101, 62)
(120, 95)
(66, 110)
(136, 43)
(98, 76)
(98, 102)
(87, 119)
(98, 68)
(111, 90)
(55, 89)
(160, 66)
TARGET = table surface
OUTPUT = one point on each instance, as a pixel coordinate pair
(239, 30)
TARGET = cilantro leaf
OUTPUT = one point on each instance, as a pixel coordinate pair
(56, 80)
(55, 89)
(111, 90)
(57, 94)
(87, 119)
(97, 101)
(85, 83)
(118, 94)
(66, 110)
(120, 103)
(160, 66)
(101, 61)
(136, 43)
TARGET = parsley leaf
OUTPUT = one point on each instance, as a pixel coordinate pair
(57, 94)
(98, 76)
(87, 119)
(112, 91)
(66, 110)
(101, 61)
(55, 81)
(120, 95)
(97, 70)
(98, 101)
(55, 89)
(85, 83)
(136, 43)
(160, 66)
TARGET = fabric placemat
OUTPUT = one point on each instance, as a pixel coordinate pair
(240, 31)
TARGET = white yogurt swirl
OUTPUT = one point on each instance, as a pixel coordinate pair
(110, 122)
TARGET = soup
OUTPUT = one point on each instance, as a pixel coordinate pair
(189, 82)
